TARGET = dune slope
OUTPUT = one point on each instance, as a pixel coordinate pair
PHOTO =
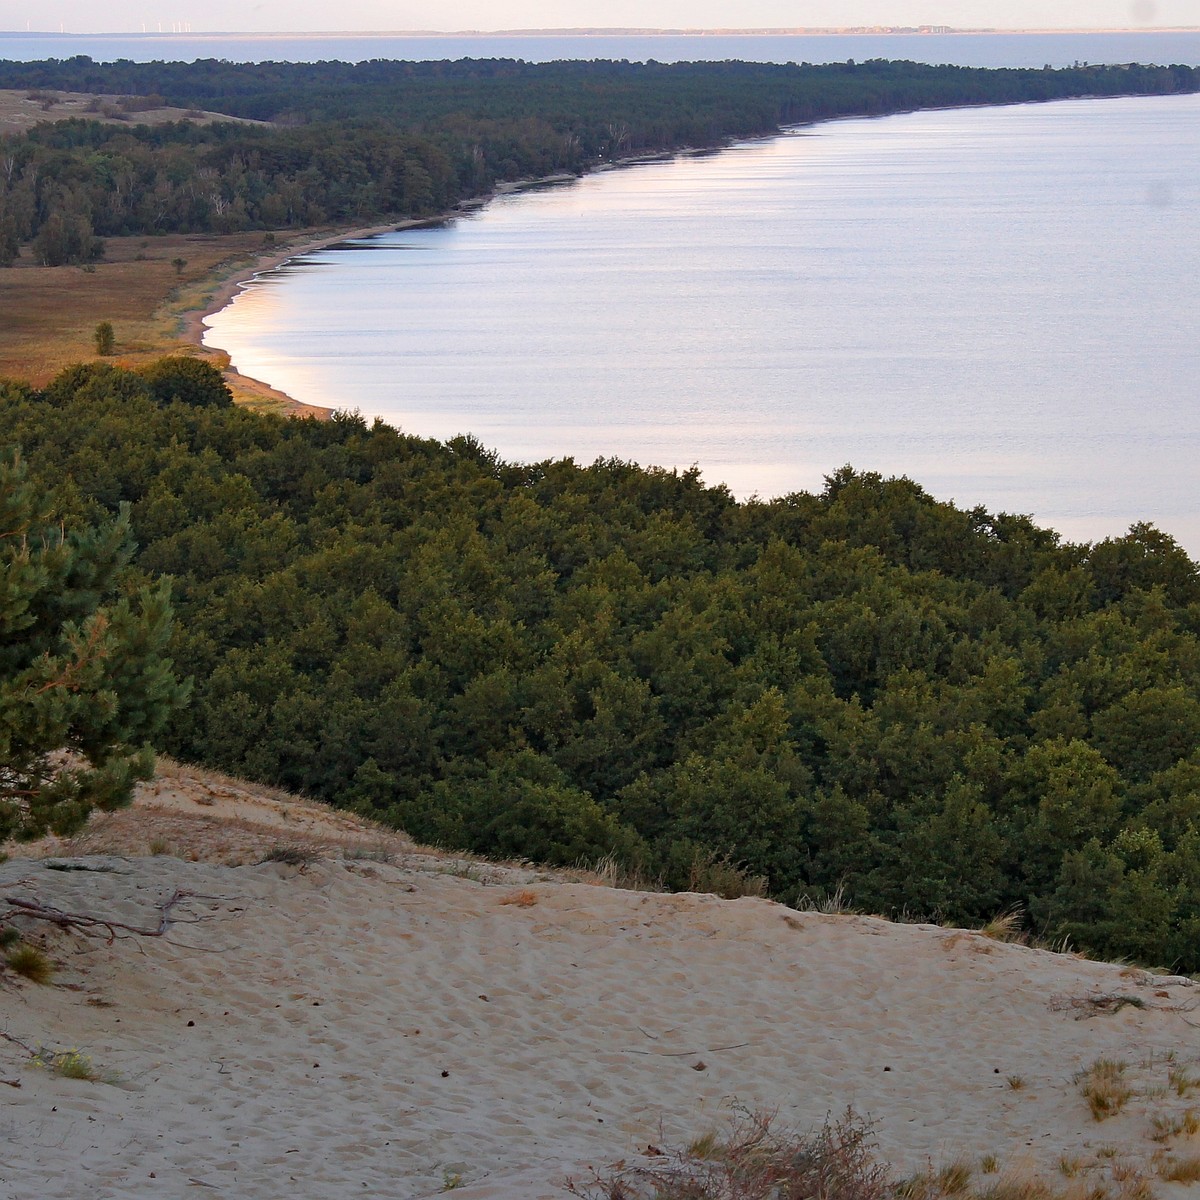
(350, 1026)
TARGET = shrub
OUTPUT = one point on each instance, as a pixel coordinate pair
(718, 876)
(104, 338)
(755, 1163)
(188, 380)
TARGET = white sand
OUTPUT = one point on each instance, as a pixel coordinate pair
(360, 1028)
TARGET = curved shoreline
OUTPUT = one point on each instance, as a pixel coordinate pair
(225, 286)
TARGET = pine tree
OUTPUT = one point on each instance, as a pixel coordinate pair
(84, 684)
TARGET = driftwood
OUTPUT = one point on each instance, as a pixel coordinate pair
(91, 926)
(8, 1037)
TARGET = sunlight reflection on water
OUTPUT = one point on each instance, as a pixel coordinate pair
(998, 303)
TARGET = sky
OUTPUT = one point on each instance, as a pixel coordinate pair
(117, 16)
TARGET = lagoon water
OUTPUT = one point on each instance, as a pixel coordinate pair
(998, 302)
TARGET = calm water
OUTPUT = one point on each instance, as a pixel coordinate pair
(999, 302)
(968, 50)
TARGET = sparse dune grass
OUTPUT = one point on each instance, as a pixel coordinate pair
(418, 905)
(838, 1162)
(1104, 1087)
(1182, 1080)
(1185, 1169)
(30, 963)
(1164, 1126)
(1006, 926)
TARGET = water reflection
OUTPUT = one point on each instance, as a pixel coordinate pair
(981, 299)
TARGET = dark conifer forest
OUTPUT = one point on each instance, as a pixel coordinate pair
(941, 712)
(377, 141)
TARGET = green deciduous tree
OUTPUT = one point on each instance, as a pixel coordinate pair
(84, 686)
(104, 338)
(181, 377)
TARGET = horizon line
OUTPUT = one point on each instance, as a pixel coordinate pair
(924, 30)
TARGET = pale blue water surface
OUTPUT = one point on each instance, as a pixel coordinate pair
(960, 49)
(998, 302)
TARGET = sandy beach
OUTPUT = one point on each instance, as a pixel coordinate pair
(374, 1019)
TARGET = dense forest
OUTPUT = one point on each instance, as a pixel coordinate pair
(388, 140)
(941, 712)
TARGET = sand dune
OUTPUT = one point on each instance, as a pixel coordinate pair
(350, 1027)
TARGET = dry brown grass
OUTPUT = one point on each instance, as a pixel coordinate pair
(755, 1163)
(1164, 1126)
(1007, 926)
(1181, 1080)
(954, 1178)
(1104, 1087)
(21, 109)
(837, 1162)
(611, 871)
(51, 313)
(1184, 1169)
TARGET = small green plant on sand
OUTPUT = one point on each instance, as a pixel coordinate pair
(70, 1064)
